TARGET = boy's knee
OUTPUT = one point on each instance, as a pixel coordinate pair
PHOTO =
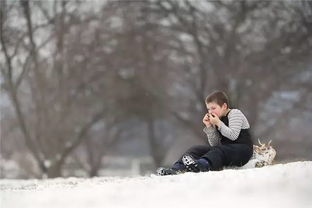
(216, 150)
(194, 149)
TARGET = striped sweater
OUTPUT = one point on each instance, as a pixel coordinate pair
(234, 129)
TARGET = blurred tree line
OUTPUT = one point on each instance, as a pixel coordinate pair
(77, 73)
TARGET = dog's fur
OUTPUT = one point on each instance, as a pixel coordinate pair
(263, 155)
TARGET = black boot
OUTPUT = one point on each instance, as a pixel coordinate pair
(192, 165)
(167, 171)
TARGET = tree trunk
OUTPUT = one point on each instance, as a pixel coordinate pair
(154, 147)
(54, 171)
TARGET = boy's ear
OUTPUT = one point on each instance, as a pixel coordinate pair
(225, 105)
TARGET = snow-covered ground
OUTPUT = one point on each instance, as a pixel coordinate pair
(283, 185)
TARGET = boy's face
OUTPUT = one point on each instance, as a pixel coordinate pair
(216, 109)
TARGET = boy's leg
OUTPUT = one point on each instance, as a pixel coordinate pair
(228, 155)
(196, 152)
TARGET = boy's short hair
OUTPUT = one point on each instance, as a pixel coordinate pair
(218, 97)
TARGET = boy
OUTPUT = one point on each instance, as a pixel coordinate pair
(228, 134)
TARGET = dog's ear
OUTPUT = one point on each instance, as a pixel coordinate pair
(261, 145)
(269, 144)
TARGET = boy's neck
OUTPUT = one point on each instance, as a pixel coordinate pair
(226, 112)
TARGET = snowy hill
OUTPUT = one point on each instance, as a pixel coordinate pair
(283, 185)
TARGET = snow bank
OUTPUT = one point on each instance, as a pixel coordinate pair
(283, 185)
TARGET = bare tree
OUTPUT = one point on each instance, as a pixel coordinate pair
(56, 120)
(230, 52)
(143, 78)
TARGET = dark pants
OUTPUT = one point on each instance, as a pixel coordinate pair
(219, 156)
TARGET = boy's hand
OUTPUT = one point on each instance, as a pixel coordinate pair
(214, 119)
(206, 120)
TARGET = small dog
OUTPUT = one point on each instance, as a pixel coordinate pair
(262, 155)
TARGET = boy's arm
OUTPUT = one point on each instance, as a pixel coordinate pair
(237, 121)
(212, 135)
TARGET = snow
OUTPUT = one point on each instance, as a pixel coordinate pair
(281, 185)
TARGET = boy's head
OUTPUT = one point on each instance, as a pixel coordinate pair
(217, 103)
